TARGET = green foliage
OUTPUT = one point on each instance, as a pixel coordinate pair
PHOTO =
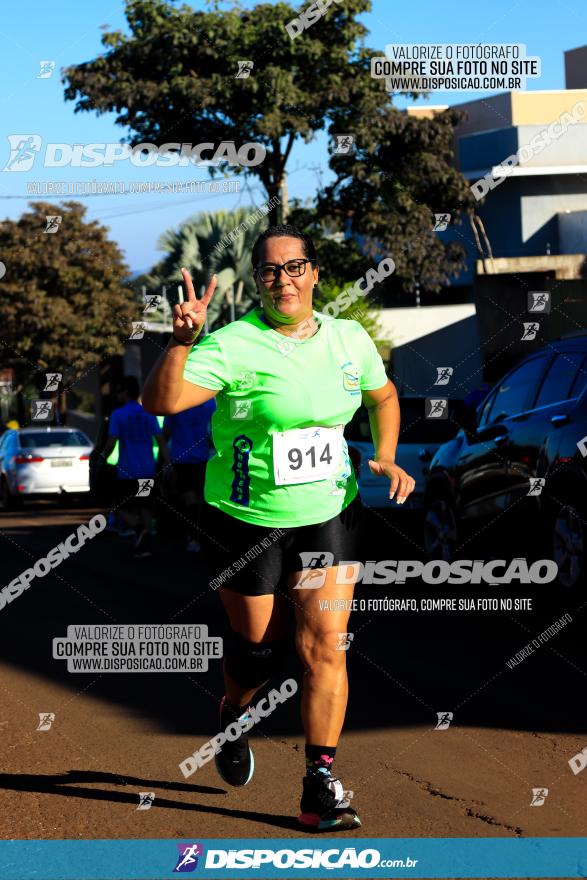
(63, 306)
(173, 78)
(201, 244)
(363, 310)
(399, 176)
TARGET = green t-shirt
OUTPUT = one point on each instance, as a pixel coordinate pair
(269, 383)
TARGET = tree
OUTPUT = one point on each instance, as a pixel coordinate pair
(174, 79)
(64, 306)
(387, 190)
(218, 243)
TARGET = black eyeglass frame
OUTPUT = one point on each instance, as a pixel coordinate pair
(279, 266)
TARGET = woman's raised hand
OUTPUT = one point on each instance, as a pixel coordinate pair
(190, 316)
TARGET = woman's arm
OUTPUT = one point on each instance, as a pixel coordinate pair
(384, 419)
(166, 391)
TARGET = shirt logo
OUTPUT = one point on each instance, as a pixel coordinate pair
(240, 485)
(351, 378)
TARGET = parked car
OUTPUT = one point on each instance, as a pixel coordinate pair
(44, 461)
(532, 425)
(418, 441)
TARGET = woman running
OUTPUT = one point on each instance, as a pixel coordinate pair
(287, 379)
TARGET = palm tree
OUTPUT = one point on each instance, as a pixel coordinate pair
(201, 244)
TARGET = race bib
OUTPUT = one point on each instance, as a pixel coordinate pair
(306, 455)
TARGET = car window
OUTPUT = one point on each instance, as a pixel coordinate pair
(580, 380)
(516, 390)
(559, 378)
(53, 438)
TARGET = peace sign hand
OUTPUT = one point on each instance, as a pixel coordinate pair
(190, 316)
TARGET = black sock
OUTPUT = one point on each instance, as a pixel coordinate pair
(319, 756)
(230, 714)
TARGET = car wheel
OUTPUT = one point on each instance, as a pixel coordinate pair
(568, 545)
(440, 530)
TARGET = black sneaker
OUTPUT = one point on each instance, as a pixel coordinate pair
(324, 806)
(235, 762)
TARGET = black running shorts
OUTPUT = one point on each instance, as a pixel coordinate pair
(254, 560)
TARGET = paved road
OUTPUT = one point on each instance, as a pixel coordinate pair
(116, 735)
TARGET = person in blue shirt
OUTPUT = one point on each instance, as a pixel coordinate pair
(188, 433)
(134, 428)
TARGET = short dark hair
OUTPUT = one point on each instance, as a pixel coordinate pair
(130, 384)
(283, 231)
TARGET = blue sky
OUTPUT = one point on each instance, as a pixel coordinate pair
(69, 32)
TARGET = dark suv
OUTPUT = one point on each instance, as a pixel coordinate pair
(533, 424)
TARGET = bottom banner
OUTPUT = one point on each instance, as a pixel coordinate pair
(304, 858)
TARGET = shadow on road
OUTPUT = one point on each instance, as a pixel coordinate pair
(404, 667)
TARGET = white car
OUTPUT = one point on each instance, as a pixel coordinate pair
(418, 441)
(38, 462)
